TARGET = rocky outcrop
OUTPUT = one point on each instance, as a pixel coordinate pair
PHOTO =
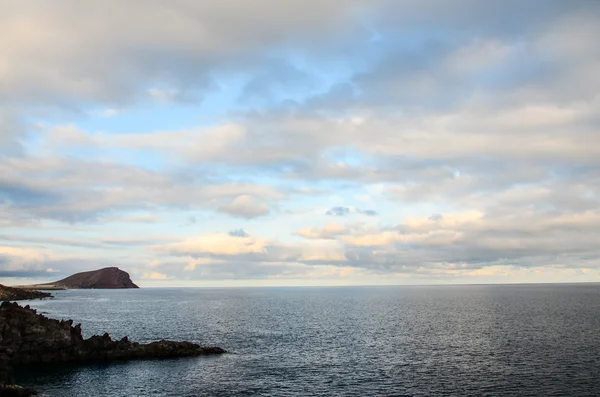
(15, 294)
(29, 338)
(107, 278)
(16, 391)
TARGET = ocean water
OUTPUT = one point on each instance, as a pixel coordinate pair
(526, 340)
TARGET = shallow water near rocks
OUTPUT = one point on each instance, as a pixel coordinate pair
(536, 340)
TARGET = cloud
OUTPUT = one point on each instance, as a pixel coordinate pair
(330, 231)
(469, 240)
(22, 260)
(193, 263)
(72, 190)
(451, 245)
(338, 211)
(139, 218)
(93, 62)
(489, 122)
(343, 211)
(428, 144)
(214, 244)
(245, 206)
(436, 217)
(367, 212)
(165, 95)
(238, 233)
(12, 131)
(198, 40)
(154, 276)
(51, 240)
(133, 241)
(253, 249)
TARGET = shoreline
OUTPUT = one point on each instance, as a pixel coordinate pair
(60, 342)
(39, 287)
(17, 294)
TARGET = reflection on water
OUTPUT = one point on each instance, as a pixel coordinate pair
(355, 341)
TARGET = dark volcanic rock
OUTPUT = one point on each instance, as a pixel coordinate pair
(16, 391)
(107, 278)
(15, 294)
(29, 338)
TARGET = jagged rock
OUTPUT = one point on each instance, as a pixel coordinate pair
(15, 294)
(16, 391)
(29, 338)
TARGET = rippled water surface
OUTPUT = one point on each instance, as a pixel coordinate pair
(538, 340)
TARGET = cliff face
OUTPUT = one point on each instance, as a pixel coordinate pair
(107, 278)
(14, 294)
(29, 338)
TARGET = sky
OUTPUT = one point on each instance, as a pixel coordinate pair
(300, 142)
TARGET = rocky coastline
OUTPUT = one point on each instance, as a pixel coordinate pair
(15, 294)
(29, 338)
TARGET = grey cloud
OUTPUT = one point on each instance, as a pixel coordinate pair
(238, 233)
(183, 52)
(434, 247)
(509, 19)
(506, 93)
(329, 232)
(367, 212)
(74, 191)
(278, 80)
(132, 241)
(249, 270)
(519, 236)
(12, 131)
(245, 206)
(91, 243)
(24, 273)
(338, 211)
(21, 194)
(198, 42)
(343, 211)
(401, 147)
(54, 268)
(239, 269)
(473, 51)
(141, 218)
(15, 259)
(50, 240)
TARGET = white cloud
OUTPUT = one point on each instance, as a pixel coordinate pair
(489, 121)
(16, 259)
(245, 206)
(331, 230)
(215, 244)
(67, 52)
(154, 276)
(193, 263)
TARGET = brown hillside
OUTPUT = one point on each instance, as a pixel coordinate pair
(107, 278)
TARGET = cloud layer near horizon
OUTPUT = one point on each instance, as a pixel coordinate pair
(314, 142)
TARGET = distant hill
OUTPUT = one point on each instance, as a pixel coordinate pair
(107, 278)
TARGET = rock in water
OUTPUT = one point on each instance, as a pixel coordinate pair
(29, 338)
(107, 278)
(15, 294)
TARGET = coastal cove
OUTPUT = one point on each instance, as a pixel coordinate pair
(350, 341)
(29, 339)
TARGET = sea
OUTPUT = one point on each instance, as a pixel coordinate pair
(475, 340)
